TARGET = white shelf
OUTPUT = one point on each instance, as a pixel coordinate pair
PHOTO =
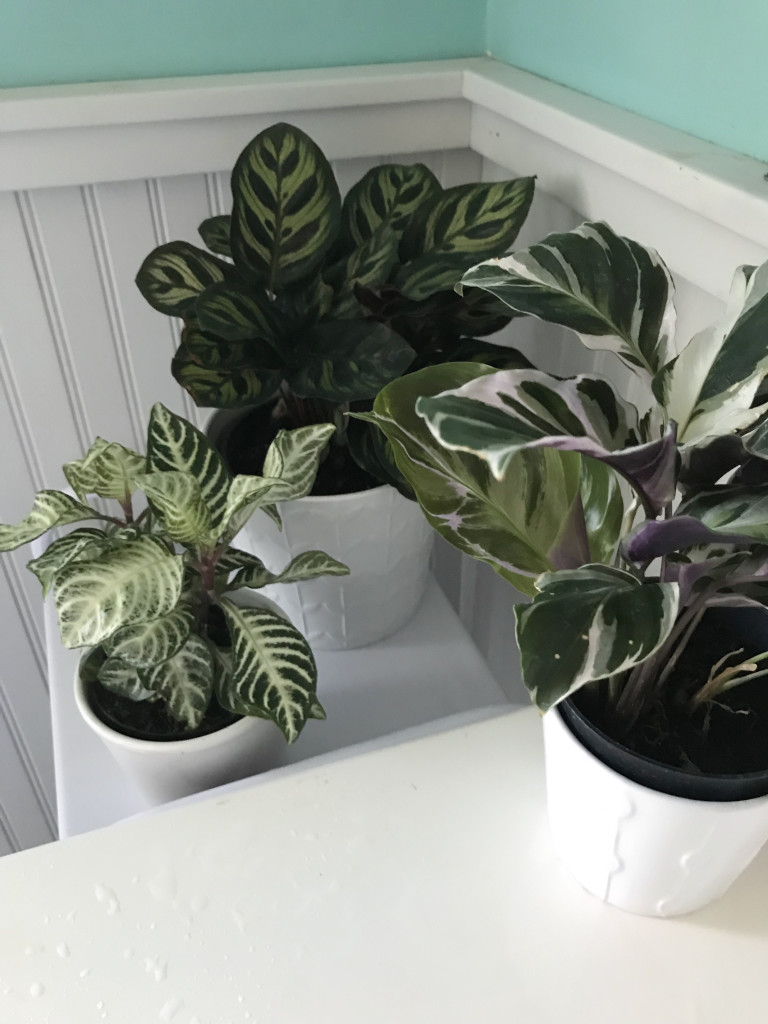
(427, 671)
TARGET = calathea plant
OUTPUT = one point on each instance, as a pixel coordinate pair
(151, 591)
(305, 304)
(624, 525)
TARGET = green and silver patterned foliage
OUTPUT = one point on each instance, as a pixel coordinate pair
(624, 523)
(141, 585)
(308, 298)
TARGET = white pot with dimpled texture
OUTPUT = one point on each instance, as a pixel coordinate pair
(645, 851)
(384, 539)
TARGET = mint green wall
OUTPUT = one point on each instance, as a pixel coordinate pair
(52, 41)
(698, 65)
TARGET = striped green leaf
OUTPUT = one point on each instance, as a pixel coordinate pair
(499, 415)
(178, 499)
(366, 266)
(457, 229)
(517, 524)
(293, 459)
(306, 566)
(148, 643)
(388, 195)
(214, 232)
(614, 293)
(273, 669)
(588, 624)
(51, 508)
(108, 469)
(246, 495)
(349, 360)
(173, 444)
(135, 582)
(82, 543)
(231, 311)
(124, 680)
(286, 208)
(185, 682)
(225, 375)
(174, 274)
(710, 388)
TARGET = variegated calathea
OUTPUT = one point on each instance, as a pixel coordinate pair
(149, 590)
(306, 304)
(624, 524)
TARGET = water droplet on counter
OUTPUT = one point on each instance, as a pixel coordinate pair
(241, 999)
(29, 950)
(62, 949)
(85, 972)
(128, 952)
(105, 895)
(239, 920)
(152, 926)
(46, 919)
(170, 1009)
(157, 968)
(36, 989)
(100, 1005)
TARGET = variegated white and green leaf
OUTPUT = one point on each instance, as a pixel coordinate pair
(185, 682)
(51, 508)
(108, 469)
(286, 207)
(174, 274)
(496, 416)
(458, 228)
(273, 668)
(587, 624)
(177, 498)
(147, 644)
(517, 524)
(388, 195)
(81, 543)
(246, 495)
(306, 566)
(615, 294)
(135, 582)
(293, 458)
(711, 386)
(124, 680)
(174, 444)
(737, 510)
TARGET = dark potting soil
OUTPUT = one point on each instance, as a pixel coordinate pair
(148, 720)
(244, 447)
(727, 736)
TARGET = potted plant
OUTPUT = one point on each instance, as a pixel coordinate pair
(635, 532)
(303, 307)
(188, 681)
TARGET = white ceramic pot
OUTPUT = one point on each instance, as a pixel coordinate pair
(168, 770)
(384, 539)
(638, 849)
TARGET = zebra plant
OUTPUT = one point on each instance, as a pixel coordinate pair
(308, 304)
(143, 588)
(623, 525)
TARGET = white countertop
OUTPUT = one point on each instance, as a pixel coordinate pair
(427, 672)
(413, 884)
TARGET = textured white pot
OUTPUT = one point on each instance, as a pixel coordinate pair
(384, 539)
(638, 849)
(168, 770)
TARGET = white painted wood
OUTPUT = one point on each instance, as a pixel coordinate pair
(92, 177)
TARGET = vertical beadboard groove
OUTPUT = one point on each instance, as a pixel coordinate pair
(111, 296)
(27, 760)
(54, 317)
(215, 194)
(162, 235)
(8, 831)
(21, 424)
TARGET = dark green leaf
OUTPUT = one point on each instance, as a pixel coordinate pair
(174, 274)
(215, 234)
(367, 266)
(231, 311)
(388, 195)
(286, 207)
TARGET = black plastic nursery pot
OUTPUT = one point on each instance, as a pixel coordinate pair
(739, 730)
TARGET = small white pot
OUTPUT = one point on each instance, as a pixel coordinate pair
(638, 849)
(385, 540)
(168, 770)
